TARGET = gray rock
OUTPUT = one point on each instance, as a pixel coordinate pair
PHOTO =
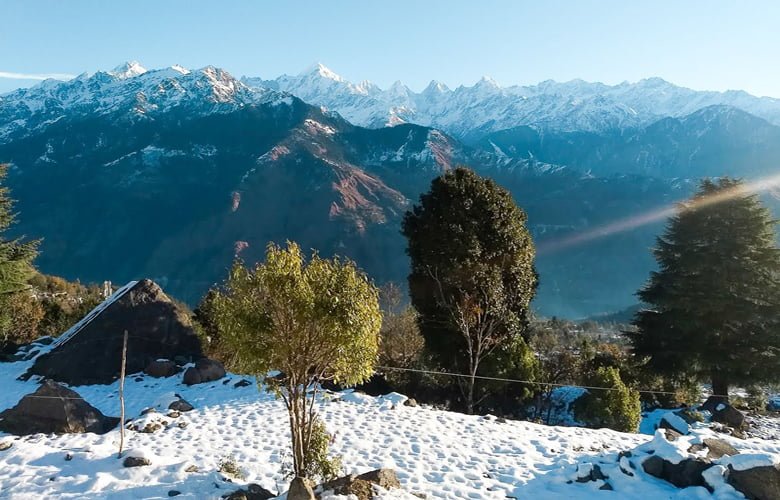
(5, 445)
(205, 370)
(300, 489)
(180, 405)
(251, 492)
(136, 462)
(411, 402)
(728, 415)
(54, 409)
(686, 473)
(758, 483)
(716, 448)
(161, 368)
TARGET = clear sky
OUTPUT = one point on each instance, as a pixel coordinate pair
(712, 44)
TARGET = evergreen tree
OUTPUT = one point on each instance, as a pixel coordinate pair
(714, 303)
(472, 275)
(16, 255)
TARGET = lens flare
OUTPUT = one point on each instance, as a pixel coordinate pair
(655, 215)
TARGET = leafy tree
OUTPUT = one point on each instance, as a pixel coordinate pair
(472, 275)
(311, 321)
(714, 303)
(617, 407)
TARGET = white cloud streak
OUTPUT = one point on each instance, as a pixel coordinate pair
(35, 76)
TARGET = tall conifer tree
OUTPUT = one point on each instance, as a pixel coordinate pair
(714, 303)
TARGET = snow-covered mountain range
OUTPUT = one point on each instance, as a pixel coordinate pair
(128, 86)
(484, 107)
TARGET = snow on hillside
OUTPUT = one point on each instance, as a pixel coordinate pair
(438, 453)
(576, 105)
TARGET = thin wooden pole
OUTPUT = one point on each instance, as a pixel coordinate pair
(122, 396)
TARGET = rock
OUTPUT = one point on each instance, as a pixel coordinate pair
(251, 492)
(158, 329)
(146, 411)
(673, 421)
(174, 493)
(716, 448)
(136, 462)
(607, 487)
(300, 489)
(758, 483)
(5, 445)
(180, 405)
(686, 473)
(54, 409)
(711, 403)
(161, 368)
(410, 402)
(589, 472)
(205, 370)
(671, 434)
(726, 414)
(385, 478)
(362, 486)
(68, 457)
(242, 383)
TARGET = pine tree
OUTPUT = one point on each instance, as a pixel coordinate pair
(16, 255)
(472, 276)
(714, 303)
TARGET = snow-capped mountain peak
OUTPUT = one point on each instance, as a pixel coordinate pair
(128, 70)
(321, 71)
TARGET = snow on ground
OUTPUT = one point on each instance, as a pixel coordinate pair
(442, 454)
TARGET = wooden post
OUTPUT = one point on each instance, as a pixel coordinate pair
(122, 396)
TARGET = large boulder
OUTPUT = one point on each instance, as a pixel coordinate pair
(205, 370)
(158, 328)
(251, 492)
(54, 409)
(686, 473)
(726, 414)
(757, 483)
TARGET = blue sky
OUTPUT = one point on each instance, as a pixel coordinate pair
(715, 45)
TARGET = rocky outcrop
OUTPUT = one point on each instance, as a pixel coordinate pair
(158, 329)
(205, 370)
(54, 409)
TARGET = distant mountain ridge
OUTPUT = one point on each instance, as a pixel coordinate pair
(171, 173)
(470, 112)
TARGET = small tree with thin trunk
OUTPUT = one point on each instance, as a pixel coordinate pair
(472, 273)
(311, 321)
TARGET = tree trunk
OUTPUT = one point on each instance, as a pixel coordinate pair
(720, 387)
(470, 395)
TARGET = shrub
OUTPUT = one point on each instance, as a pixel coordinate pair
(22, 314)
(616, 407)
(230, 467)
